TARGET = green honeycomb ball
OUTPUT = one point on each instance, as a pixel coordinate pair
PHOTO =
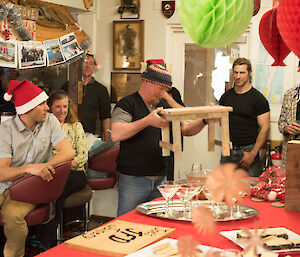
(215, 23)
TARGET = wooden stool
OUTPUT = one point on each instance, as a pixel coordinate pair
(175, 115)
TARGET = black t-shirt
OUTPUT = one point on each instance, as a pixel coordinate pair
(95, 104)
(243, 120)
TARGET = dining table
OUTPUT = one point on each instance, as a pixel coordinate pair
(268, 217)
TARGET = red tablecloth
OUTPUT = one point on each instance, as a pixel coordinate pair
(268, 217)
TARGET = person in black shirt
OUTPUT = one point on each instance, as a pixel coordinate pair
(137, 125)
(95, 102)
(249, 123)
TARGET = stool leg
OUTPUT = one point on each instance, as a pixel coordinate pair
(86, 215)
(60, 230)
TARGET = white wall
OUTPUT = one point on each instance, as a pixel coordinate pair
(98, 25)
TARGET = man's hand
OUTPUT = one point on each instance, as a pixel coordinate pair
(248, 159)
(155, 120)
(293, 128)
(43, 170)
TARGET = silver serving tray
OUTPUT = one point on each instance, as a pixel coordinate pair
(157, 209)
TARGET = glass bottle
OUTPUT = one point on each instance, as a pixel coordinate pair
(268, 159)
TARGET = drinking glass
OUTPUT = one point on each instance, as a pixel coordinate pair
(197, 176)
(167, 190)
(175, 186)
(235, 209)
(200, 180)
(185, 193)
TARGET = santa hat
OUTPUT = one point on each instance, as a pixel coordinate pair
(26, 95)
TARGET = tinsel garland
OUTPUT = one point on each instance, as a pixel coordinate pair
(3, 11)
(86, 44)
(7, 10)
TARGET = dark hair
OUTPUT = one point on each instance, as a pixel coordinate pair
(241, 61)
(60, 94)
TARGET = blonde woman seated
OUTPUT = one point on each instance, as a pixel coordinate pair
(64, 110)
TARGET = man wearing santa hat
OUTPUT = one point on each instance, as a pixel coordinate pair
(26, 142)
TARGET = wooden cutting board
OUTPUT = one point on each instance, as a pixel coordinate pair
(119, 238)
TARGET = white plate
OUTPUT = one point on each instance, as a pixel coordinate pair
(231, 235)
(147, 251)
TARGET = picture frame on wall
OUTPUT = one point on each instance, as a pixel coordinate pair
(128, 44)
(129, 9)
(124, 84)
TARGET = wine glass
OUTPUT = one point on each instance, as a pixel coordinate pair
(167, 190)
(235, 209)
(186, 194)
(175, 186)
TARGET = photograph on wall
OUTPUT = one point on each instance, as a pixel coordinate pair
(129, 9)
(8, 54)
(54, 54)
(32, 54)
(70, 47)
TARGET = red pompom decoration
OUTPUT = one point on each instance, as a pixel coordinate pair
(271, 39)
(288, 22)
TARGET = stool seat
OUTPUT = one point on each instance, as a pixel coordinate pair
(102, 183)
(79, 198)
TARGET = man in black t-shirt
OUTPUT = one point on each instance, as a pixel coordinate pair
(249, 123)
(137, 125)
(95, 102)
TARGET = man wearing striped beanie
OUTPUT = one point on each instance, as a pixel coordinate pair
(137, 125)
(26, 142)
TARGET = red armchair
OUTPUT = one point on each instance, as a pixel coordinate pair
(104, 161)
(35, 190)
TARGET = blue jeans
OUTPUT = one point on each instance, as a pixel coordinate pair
(236, 155)
(134, 190)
